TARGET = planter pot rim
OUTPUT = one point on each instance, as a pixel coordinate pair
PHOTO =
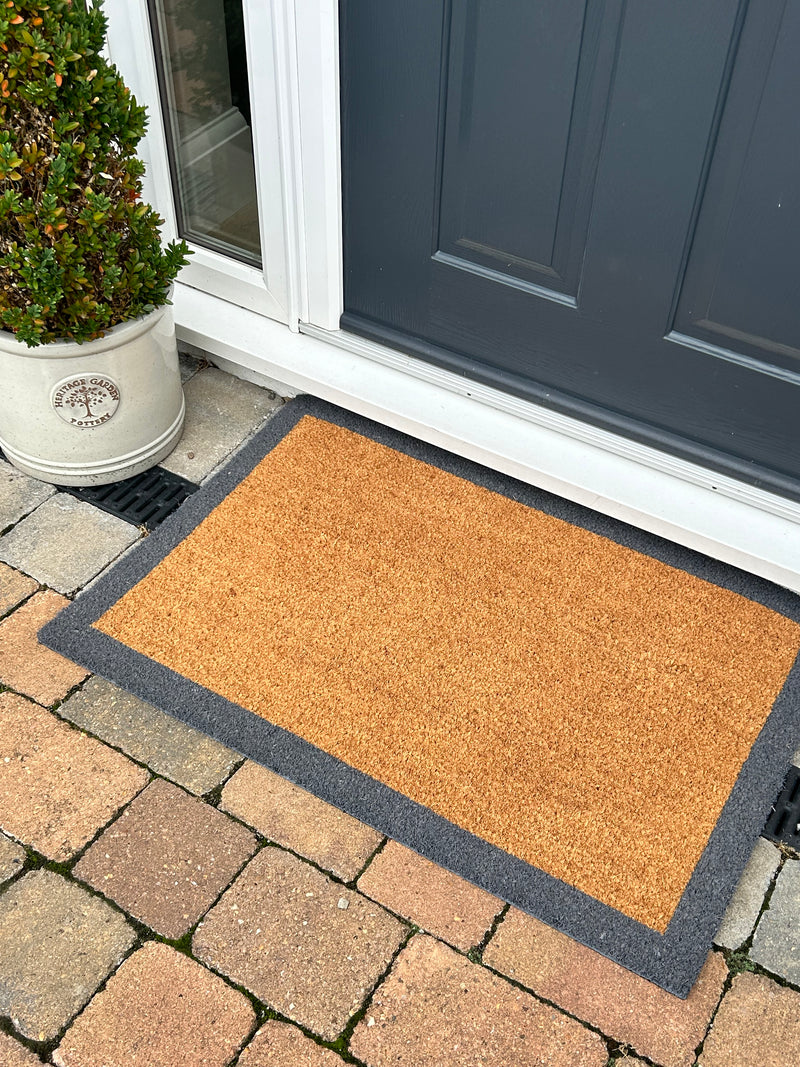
(113, 338)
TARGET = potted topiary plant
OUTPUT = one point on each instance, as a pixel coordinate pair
(90, 387)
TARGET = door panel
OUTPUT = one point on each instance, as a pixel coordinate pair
(547, 230)
(519, 204)
(741, 284)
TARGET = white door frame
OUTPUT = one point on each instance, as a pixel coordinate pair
(220, 309)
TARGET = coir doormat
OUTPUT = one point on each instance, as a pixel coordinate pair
(579, 717)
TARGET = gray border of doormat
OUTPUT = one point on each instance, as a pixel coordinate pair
(672, 960)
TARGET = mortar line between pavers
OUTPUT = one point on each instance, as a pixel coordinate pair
(371, 858)
(268, 842)
(355, 1019)
(476, 953)
(46, 1048)
(55, 710)
(726, 986)
(7, 1028)
(25, 599)
(606, 1038)
(753, 966)
(143, 935)
(272, 1015)
(213, 796)
(65, 866)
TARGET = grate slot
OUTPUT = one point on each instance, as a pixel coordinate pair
(783, 824)
(146, 500)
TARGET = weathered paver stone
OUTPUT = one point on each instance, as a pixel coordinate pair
(297, 820)
(58, 943)
(278, 1044)
(757, 1025)
(436, 1007)
(57, 786)
(430, 896)
(166, 745)
(26, 665)
(776, 945)
(618, 1002)
(160, 1009)
(12, 857)
(167, 858)
(301, 943)
(14, 587)
(221, 412)
(66, 542)
(19, 494)
(12, 1054)
(740, 918)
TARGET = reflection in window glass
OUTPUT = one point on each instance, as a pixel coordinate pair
(200, 49)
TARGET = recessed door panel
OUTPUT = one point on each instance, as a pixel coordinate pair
(515, 197)
(741, 289)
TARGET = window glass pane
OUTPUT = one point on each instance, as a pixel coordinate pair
(200, 50)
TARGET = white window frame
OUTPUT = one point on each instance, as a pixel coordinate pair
(240, 318)
(270, 290)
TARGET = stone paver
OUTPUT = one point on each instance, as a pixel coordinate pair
(66, 542)
(26, 665)
(58, 943)
(436, 1007)
(757, 1025)
(301, 943)
(12, 1054)
(166, 745)
(221, 412)
(776, 945)
(160, 1009)
(167, 858)
(618, 1002)
(57, 786)
(430, 896)
(14, 587)
(19, 494)
(12, 857)
(189, 365)
(279, 1044)
(740, 918)
(290, 816)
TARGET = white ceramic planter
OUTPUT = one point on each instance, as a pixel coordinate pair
(96, 412)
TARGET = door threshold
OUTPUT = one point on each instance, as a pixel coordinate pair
(729, 520)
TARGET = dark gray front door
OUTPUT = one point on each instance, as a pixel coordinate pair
(591, 203)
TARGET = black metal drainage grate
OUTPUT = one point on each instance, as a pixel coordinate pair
(783, 825)
(145, 500)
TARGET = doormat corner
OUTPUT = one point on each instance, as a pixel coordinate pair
(577, 716)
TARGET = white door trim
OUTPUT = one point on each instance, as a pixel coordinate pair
(731, 521)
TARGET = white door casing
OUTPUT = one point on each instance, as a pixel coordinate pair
(240, 316)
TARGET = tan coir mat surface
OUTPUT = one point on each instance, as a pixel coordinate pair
(537, 684)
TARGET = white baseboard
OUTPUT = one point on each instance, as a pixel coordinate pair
(727, 519)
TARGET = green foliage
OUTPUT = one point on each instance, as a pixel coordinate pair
(79, 251)
(739, 961)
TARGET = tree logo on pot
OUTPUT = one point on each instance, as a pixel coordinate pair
(86, 399)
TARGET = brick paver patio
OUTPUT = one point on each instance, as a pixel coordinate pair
(165, 903)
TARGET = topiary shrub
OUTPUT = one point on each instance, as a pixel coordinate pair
(79, 251)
